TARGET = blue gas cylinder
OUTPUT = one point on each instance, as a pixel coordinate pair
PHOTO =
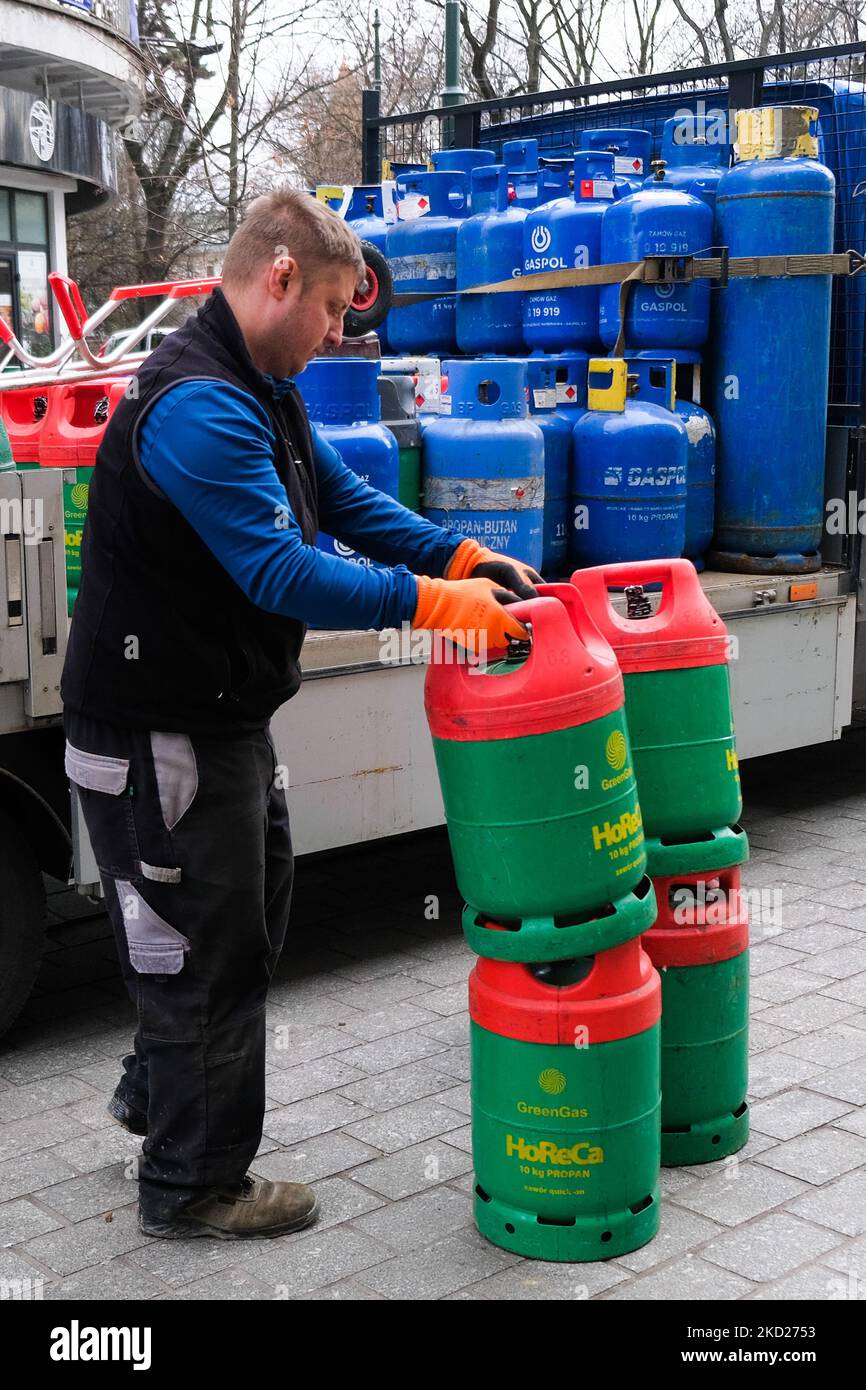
(422, 250)
(365, 208)
(556, 426)
(365, 216)
(701, 182)
(489, 248)
(569, 372)
(630, 455)
(529, 188)
(461, 161)
(771, 349)
(631, 150)
(701, 470)
(520, 156)
(396, 168)
(483, 468)
(342, 400)
(695, 152)
(656, 221)
(562, 235)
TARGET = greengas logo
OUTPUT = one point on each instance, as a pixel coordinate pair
(552, 1081)
(608, 834)
(540, 238)
(615, 750)
(546, 1151)
(78, 495)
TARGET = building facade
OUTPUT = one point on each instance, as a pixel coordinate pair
(71, 75)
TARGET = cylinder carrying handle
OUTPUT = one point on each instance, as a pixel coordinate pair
(681, 595)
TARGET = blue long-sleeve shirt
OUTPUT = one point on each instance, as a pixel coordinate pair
(210, 448)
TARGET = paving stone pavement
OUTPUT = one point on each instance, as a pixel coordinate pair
(368, 1095)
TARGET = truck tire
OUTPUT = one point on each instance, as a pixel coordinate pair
(370, 305)
(22, 921)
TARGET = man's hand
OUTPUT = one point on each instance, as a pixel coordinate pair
(473, 560)
(463, 609)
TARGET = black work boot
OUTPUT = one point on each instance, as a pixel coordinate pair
(257, 1208)
(132, 1119)
(128, 1105)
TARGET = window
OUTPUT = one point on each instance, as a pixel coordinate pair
(24, 296)
(31, 218)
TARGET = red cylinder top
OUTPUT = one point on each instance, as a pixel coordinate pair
(685, 630)
(619, 996)
(706, 922)
(23, 412)
(78, 412)
(570, 677)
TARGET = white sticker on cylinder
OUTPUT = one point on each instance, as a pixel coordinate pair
(389, 206)
(544, 398)
(412, 206)
(697, 426)
(627, 164)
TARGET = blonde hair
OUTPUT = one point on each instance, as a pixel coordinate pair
(289, 222)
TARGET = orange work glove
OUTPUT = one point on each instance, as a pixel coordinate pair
(465, 608)
(472, 559)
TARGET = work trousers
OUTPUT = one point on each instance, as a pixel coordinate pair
(191, 836)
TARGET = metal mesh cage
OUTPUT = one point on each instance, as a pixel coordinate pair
(831, 79)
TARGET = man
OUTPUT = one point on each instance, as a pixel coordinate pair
(199, 572)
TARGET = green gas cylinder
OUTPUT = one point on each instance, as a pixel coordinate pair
(76, 488)
(565, 1104)
(23, 410)
(538, 783)
(699, 944)
(74, 424)
(675, 667)
(6, 459)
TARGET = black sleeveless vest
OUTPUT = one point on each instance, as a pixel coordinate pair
(162, 637)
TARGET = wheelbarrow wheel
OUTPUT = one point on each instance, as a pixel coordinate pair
(373, 300)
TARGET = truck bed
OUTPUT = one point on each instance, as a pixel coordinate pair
(360, 758)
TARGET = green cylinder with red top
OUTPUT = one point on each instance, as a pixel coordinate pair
(7, 462)
(566, 1103)
(539, 790)
(674, 662)
(699, 944)
(23, 411)
(71, 434)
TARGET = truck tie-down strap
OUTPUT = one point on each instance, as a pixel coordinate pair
(657, 270)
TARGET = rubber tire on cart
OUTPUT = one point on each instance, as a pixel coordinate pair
(22, 921)
(370, 305)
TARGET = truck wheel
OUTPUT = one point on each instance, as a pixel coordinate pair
(22, 921)
(370, 305)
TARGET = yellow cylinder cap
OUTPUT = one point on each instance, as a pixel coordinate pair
(607, 383)
(776, 132)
